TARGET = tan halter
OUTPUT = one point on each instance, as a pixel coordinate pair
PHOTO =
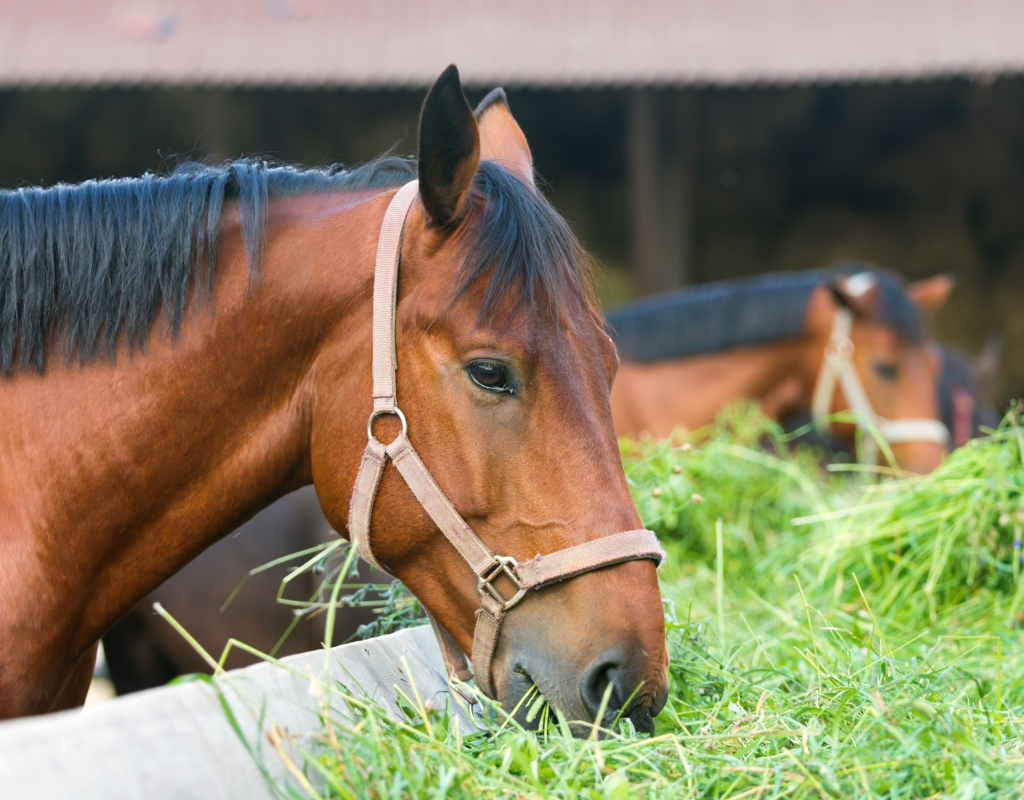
(837, 370)
(488, 567)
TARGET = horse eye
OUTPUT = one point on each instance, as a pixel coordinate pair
(490, 376)
(885, 371)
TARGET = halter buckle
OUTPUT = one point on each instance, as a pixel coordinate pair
(503, 565)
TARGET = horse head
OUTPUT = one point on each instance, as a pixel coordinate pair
(504, 373)
(881, 363)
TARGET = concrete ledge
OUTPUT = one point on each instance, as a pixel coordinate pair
(176, 742)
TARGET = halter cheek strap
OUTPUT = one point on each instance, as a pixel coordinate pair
(488, 567)
(839, 370)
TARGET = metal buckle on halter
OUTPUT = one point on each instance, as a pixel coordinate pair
(503, 565)
(396, 411)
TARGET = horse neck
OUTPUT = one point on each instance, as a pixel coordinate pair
(657, 398)
(133, 468)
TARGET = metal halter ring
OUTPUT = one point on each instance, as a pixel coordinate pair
(503, 565)
(841, 347)
(456, 686)
(382, 412)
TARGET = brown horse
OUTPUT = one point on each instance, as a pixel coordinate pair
(687, 354)
(178, 359)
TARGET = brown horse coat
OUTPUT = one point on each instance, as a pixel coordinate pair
(115, 472)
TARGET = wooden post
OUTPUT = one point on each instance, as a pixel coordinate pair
(661, 144)
(642, 194)
(216, 135)
(680, 152)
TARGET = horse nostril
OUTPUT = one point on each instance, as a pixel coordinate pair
(595, 682)
(613, 670)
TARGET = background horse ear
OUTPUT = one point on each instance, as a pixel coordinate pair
(931, 294)
(501, 138)
(449, 149)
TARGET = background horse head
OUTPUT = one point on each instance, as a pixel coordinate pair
(689, 353)
(181, 351)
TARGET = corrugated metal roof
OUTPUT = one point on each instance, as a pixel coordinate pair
(376, 43)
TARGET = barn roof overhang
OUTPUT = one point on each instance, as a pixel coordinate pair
(549, 43)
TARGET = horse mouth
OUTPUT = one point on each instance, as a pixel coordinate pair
(642, 718)
(638, 712)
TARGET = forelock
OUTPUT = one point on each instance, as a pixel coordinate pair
(515, 241)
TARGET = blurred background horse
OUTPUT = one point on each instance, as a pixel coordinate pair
(689, 353)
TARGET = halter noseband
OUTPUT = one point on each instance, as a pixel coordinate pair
(839, 370)
(488, 567)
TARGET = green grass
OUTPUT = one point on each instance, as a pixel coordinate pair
(830, 637)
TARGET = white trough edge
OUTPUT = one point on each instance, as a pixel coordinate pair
(177, 742)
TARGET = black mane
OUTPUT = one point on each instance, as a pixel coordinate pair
(714, 317)
(84, 267)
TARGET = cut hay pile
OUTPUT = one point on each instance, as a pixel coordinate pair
(830, 637)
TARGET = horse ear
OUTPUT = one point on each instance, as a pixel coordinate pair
(501, 138)
(449, 149)
(931, 294)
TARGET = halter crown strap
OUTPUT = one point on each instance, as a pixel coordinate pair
(824, 390)
(489, 568)
(385, 364)
(385, 297)
(838, 369)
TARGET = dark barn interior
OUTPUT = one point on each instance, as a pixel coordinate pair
(666, 186)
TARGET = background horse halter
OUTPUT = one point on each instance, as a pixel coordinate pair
(488, 567)
(838, 370)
